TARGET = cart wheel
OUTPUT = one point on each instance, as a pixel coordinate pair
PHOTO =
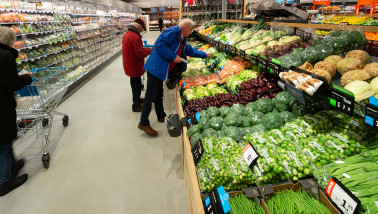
(45, 122)
(65, 120)
(46, 160)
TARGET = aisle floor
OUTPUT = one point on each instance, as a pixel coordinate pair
(101, 162)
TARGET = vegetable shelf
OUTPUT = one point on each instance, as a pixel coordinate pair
(372, 29)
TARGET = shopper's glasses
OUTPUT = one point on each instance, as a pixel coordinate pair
(191, 29)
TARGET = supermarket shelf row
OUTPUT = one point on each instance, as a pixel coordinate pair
(33, 22)
(40, 33)
(45, 55)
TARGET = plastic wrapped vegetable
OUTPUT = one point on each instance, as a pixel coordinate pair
(309, 55)
(233, 132)
(238, 108)
(347, 146)
(256, 117)
(212, 173)
(209, 132)
(194, 129)
(264, 105)
(212, 112)
(324, 50)
(283, 101)
(272, 120)
(260, 128)
(194, 138)
(216, 123)
(224, 110)
(287, 116)
(241, 174)
(232, 119)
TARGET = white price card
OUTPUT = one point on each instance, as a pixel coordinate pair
(342, 197)
(249, 154)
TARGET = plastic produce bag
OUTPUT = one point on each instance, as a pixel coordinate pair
(268, 169)
(260, 128)
(309, 55)
(264, 105)
(324, 50)
(209, 132)
(272, 120)
(224, 110)
(195, 137)
(250, 107)
(256, 117)
(232, 119)
(216, 123)
(212, 112)
(233, 132)
(194, 129)
(287, 116)
(238, 108)
(204, 122)
(242, 176)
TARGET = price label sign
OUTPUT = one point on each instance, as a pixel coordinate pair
(212, 66)
(342, 99)
(242, 54)
(345, 201)
(250, 155)
(217, 202)
(254, 59)
(275, 67)
(262, 63)
(371, 112)
(197, 151)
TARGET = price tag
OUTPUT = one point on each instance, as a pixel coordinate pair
(217, 202)
(345, 201)
(250, 155)
(254, 59)
(219, 69)
(242, 54)
(44, 55)
(197, 151)
(262, 63)
(212, 66)
(342, 99)
(18, 61)
(275, 67)
(371, 112)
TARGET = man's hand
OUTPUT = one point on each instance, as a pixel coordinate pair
(25, 72)
(178, 59)
(209, 55)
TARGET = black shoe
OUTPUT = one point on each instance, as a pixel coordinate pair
(12, 184)
(17, 167)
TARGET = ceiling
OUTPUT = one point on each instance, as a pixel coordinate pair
(154, 3)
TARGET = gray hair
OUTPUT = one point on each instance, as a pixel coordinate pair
(7, 36)
(186, 22)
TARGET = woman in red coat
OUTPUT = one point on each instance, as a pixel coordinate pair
(133, 55)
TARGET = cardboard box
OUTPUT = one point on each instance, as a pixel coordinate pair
(308, 185)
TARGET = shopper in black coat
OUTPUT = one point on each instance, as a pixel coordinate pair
(10, 81)
(160, 24)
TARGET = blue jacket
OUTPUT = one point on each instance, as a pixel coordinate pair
(165, 52)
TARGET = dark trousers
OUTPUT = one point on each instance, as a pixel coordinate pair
(6, 162)
(136, 88)
(161, 28)
(154, 94)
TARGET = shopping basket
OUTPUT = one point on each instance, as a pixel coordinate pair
(36, 104)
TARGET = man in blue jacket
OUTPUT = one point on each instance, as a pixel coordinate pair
(170, 47)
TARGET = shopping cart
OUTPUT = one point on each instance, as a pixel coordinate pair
(36, 105)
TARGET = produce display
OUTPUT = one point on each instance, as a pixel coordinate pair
(295, 202)
(242, 205)
(359, 174)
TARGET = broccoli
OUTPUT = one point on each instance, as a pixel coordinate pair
(232, 119)
(288, 116)
(216, 123)
(233, 132)
(264, 105)
(250, 107)
(283, 101)
(255, 117)
(195, 137)
(194, 129)
(213, 112)
(204, 122)
(209, 133)
(258, 128)
(239, 108)
(272, 120)
(299, 109)
(224, 110)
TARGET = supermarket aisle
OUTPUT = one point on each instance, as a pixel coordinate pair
(101, 163)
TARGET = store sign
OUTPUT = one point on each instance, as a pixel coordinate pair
(263, 63)
(371, 112)
(342, 99)
(275, 67)
(320, 2)
(153, 9)
(250, 155)
(162, 9)
(344, 200)
(254, 59)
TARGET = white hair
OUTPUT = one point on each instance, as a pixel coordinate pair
(7, 36)
(186, 22)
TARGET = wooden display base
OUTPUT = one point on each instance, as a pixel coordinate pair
(191, 181)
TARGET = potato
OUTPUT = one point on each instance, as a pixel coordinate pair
(372, 68)
(322, 73)
(328, 66)
(307, 66)
(359, 54)
(354, 75)
(334, 59)
(349, 64)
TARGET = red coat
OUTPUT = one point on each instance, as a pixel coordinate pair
(133, 54)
